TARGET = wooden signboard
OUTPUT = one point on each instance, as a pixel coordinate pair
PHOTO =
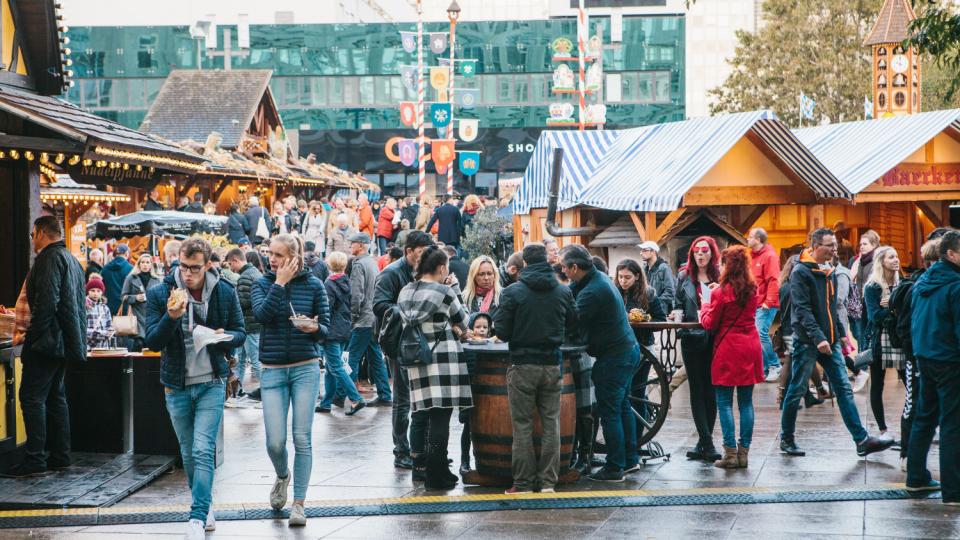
(78, 242)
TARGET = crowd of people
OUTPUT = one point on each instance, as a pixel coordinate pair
(316, 294)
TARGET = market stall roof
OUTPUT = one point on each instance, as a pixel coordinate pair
(859, 153)
(101, 138)
(159, 222)
(652, 168)
(65, 189)
(192, 104)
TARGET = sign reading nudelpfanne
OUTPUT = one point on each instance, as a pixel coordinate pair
(618, 3)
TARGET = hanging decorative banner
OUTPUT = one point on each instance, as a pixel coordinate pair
(438, 43)
(440, 114)
(442, 132)
(468, 68)
(467, 97)
(469, 163)
(468, 129)
(407, 148)
(443, 152)
(441, 169)
(409, 41)
(408, 113)
(439, 77)
(408, 74)
(444, 62)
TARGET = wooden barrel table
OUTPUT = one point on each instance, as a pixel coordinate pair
(491, 429)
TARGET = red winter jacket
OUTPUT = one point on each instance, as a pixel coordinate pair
(385, 223)
(737, 359)
(766, 270)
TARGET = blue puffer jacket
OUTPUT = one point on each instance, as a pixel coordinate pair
(338, 294)
(280, 342)
(935, 320)
(166, 335)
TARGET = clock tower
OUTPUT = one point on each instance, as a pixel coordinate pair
(896, 69)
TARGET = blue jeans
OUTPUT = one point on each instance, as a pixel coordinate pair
(938, 404)
(382, 244)
(805, 356)
(279, 388)
(764, 319)
(725, 410)
(249, 353)
(335, 380)
(362, 342)
(196, 412)
(611, 376)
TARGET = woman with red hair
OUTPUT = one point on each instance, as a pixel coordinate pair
(693, 290)
(737, 358)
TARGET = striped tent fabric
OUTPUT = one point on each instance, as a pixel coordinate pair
(859, 153)
(656, 165)
(583, 153)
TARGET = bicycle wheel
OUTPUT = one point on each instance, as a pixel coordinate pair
(649, 398)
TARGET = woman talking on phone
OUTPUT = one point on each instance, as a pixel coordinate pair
(693, 289)
(291, 304)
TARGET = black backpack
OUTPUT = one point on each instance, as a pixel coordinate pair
(899, 312)
(414, 348)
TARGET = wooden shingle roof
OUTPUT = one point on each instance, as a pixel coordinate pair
(893, 23)
(192, 104)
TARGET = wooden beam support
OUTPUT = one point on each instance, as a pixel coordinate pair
(930, 210)
(223, 185)
(667, 222)
(182, 189)
(721, 196)
(752, 217)
(650, 224)
(638, 223)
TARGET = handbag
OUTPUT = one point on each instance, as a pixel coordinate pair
(125, 325)
(863, 360)
(855, 302)
(262, 230)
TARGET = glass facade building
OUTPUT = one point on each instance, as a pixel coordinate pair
(335, 77)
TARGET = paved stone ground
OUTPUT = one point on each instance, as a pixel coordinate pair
(353, 460)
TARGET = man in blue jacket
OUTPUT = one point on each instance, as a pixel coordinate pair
(114, 274)
(935, 327)
(603, 321)
(194, 381)
(451, 222)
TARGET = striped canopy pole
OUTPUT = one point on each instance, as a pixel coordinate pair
(582, 32)
(420, 139)
(453, 41)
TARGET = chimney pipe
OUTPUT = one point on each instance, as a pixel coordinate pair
(552, 227)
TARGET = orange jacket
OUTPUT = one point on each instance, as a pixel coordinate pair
(366, 220)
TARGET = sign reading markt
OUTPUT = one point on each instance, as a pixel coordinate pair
(618, 3)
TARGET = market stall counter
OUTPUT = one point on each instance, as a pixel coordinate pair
(491, 428)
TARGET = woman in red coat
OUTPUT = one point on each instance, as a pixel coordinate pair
(737, 359)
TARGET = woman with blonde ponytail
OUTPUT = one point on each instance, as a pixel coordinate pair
(291, 304)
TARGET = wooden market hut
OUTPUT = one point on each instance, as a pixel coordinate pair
(673, 181)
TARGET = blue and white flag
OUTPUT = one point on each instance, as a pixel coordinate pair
(469, 163)
(806, 106)
(467, 97)
(440, 114)
(867, 108)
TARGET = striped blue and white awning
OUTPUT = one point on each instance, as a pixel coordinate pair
(859, 153)
(583, 152)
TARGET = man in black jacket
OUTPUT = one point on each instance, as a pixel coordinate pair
(55, 338)
(451, 222)
(196, 207)
(386, 291)
(457, 266)
(249, 353)
(817, 332)
(151, 204)
(534, 316)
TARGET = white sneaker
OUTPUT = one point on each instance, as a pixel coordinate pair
(885, 436)
(298, 517)
(860, 380)
(773, 375)
(278, 494)
(195, 530)
(548, 490)
(211, 524)
(903, 464)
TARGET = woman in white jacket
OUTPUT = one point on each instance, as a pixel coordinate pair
(314, 225)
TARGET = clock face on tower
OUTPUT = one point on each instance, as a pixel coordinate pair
(900, 63)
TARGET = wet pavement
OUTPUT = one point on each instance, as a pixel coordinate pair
(353, 460)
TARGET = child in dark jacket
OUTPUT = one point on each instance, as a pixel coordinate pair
(337, 383)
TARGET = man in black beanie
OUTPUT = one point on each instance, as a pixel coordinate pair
(534, 316)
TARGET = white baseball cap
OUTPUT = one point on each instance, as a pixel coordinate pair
(650, 244)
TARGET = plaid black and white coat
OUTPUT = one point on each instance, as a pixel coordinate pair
(445, 382)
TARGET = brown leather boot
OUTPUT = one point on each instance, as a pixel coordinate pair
(742, 455)
(729, 459)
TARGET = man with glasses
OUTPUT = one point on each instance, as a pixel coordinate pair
(817, 332)
(195, 380)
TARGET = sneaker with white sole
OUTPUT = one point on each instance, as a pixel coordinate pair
(298, 517)
(211, 524)
(195, 530)
(860, 380)
(548, 490)
(278, 494)
(773, 375)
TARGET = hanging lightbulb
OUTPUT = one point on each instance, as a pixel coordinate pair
(29, 155)
(59, 159)
(74, 160)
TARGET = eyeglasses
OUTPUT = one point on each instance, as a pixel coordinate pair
(191, 268)
(704, 249)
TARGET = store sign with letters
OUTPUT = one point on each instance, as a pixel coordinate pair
(920, 176)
